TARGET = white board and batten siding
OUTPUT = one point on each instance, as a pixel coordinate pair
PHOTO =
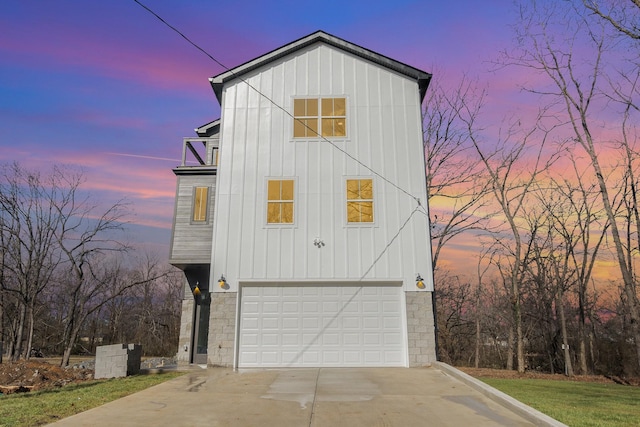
(383, 131)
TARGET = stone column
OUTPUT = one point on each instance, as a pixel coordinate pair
(222, 329)
(420, 329)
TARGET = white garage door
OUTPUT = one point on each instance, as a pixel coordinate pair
(332, 325)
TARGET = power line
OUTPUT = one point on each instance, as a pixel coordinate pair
(390, 242)
(388, 181)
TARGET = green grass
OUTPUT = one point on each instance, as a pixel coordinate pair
(47, 406)
(576, 404)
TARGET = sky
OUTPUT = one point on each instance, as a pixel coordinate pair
(107, 86)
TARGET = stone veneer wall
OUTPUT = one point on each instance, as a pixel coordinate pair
(222, 328)
(186, 327)
(420, 329)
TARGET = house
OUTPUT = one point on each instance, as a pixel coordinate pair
(301, 220)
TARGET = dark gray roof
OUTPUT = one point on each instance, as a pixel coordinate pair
(209, 129)
(420, 76)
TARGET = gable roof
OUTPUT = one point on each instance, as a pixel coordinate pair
(422, 78)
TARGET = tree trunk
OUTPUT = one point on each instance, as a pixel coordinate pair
(517, 318)
(27, 352)
(510, 350)
(17, 350)
(568, 367)
(73, 336)
(476, 362)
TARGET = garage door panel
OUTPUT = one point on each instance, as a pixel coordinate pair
(310, 291)
(389, 322)
(288, 291)
(330, 339)
(331, 357)
(371, 323)
(270, 339)
(269, 357)
(290, 323)
(390, 307)
(371, 307)
(249, 339)
(251, 307)
(271, 307)
(269, 323)
(351, 339)
(352, 357)
(371, 339)
(290, 307)
(332, 325)
(392, 339)
(351, 322)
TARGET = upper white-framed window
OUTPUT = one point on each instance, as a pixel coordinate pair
(280, 209)
(200, 206)
(320, 117)
(360, 196)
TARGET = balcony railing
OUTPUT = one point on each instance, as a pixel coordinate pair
(199, 152)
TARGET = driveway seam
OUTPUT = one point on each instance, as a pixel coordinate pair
(315, 393)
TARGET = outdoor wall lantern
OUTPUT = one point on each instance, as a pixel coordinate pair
(196, 291)
(222, 282)
(419, 282)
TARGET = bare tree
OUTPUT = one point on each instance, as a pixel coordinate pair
(484, 263)
(84, 238)
(97, 280)
(581, 226)
(512, 170)
(455, 190)
(622, 15)
(550, 36)
(28, 252)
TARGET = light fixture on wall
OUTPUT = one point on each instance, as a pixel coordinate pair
(222, 282)
(196, 290)
(419, 282)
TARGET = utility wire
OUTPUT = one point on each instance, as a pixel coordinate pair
(390, 242)
(388, 181)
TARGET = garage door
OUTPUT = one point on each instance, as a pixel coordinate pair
(332, 325)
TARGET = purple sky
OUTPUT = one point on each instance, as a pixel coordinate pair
(107, 86)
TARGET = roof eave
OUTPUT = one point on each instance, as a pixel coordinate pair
(422, 77)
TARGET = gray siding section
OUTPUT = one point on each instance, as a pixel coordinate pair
(191, 242)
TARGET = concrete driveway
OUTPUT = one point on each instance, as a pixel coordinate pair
(436, 396)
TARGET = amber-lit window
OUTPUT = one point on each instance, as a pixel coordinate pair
(359, 200)
(280, 201)
(305, 112)
(200, 199)
(216, 155)
(327, 116)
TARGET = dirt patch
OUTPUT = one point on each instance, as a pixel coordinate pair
(501, 373)
(23, 376)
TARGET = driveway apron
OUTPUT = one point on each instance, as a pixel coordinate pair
(305, 397)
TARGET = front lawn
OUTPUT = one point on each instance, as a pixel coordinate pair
(576, 404)
(46, 406)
